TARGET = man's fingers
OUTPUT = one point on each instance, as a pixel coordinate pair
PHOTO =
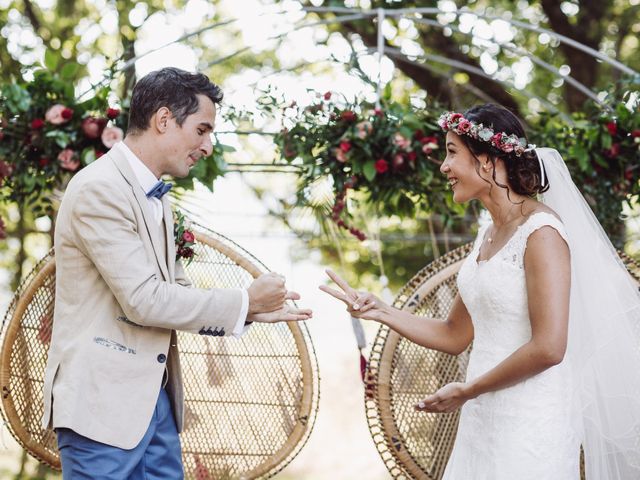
(292, 295)
(339, 281)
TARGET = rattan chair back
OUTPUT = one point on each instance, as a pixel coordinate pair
(250, 403)
(400, 373)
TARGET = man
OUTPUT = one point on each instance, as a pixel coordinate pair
(113, 390)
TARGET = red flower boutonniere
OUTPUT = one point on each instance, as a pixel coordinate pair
(185, 239)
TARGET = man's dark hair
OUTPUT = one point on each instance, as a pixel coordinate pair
(172, 88)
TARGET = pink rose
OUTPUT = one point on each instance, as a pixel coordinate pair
(364, 129)
(57, 114)
(341, 156)
(111, 135)
(188, 237)
(92, 127)
(68, 160)
(398, 161)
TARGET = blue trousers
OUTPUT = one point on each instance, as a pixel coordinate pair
(157, 456)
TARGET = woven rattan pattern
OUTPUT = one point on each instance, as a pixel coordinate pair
(250, 403)
(400, 373)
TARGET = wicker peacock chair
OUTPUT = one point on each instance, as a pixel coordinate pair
(250, 403)
(414, 444)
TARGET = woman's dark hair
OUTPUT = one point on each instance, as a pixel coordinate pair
(523, 172)
(172, 88)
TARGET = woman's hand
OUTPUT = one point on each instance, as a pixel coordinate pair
(359, 304)
(448, 399)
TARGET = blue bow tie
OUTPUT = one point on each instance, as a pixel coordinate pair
(159, 189)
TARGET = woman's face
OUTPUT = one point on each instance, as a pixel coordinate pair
(461, 168)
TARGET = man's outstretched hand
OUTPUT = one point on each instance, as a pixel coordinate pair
(285, 314)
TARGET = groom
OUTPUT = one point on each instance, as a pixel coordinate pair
(113, 388)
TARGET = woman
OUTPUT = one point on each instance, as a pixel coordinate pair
(529, 292)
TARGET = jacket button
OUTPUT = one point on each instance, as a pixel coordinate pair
(162, 358)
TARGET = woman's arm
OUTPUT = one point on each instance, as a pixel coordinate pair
(452, 335)
(548, 276)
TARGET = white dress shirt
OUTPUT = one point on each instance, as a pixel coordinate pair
(147, 180)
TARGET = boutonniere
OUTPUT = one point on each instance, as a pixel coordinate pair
(184, 237)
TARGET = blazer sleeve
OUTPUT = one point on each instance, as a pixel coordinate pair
(104, 228)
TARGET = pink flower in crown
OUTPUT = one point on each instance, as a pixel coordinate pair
(507, 147)
(111, 135)
(496, 140)
(56, 114)
(464, 126)
(68, 160)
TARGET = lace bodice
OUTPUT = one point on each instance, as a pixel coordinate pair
(494, 290)
(523, 431)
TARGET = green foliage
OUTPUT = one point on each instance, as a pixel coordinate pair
(602, 151)
(389, 155)
(46, 134)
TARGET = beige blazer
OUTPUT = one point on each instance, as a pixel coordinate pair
(118, 304)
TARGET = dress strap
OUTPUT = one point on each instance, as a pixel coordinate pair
(539, 220)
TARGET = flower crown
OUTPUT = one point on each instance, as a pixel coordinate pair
(506, 143)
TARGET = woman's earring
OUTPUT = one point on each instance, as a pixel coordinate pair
(486, 167)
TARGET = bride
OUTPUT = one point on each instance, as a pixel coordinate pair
(553, 315)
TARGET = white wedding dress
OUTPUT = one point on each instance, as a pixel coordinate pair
(525, 431)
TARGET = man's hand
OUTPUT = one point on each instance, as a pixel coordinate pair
(267, 293)
(284, 314)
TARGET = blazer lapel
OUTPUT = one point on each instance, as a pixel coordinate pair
(153, 230)
(171, 241)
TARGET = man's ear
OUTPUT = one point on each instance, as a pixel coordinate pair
(160, 120)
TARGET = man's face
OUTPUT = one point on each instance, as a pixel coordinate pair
(186, 144)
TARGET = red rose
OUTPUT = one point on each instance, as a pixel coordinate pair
(348, 116)
(67, 113)
(327, 96)
(99, 153)
(496, 139)
(635, 133)
(378, 112)
(613, 128)
(37, 124)
(418, 134)
(43, 162)
(381, 165)
(345, 146)
(112, 113)
(188, 237)
(454, 117)
(412, 155)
